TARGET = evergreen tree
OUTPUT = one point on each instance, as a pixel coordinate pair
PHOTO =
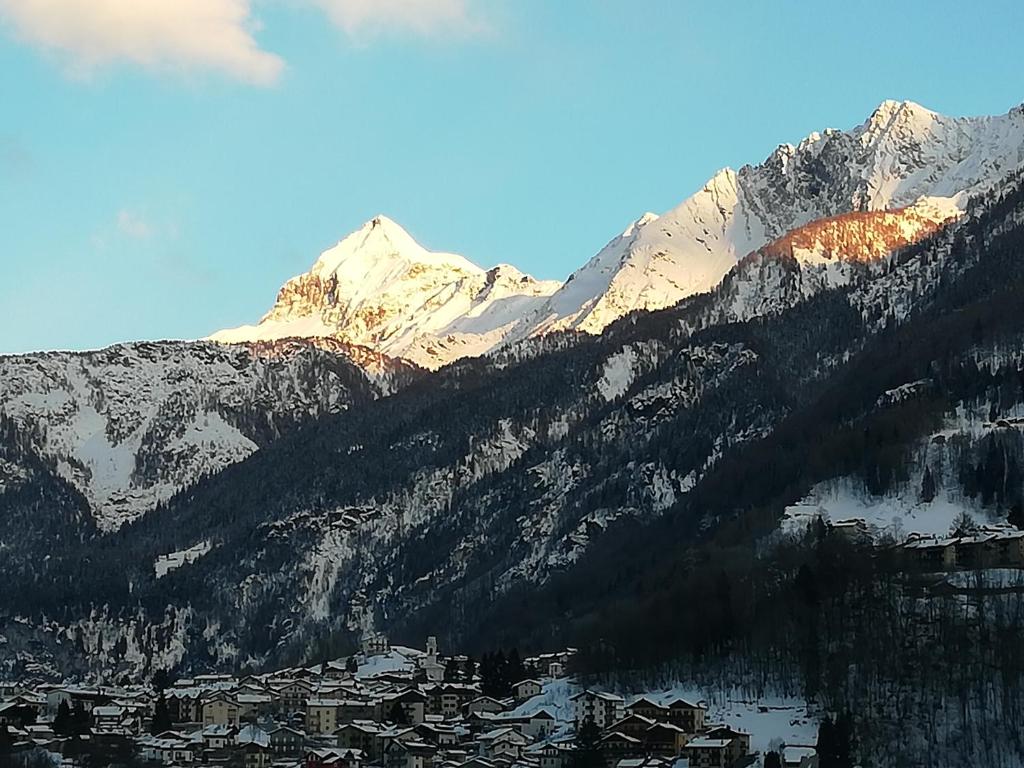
(772, 759)
(397, 714)
(62, 722)
(161, 716)
(587, 752)
(927, 486)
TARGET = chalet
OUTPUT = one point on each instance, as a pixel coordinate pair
(409, 754)
(688, 716)
(932, 554)
(739, 741)
(705, 752)
(526, 689)
(448, 699)
(169, 751)
(256, 755)
(252, 706)
(114, 719)
(484, 704)
(502, 742)
(667, 739)
(616, 746)
(538, 725)
(217, 737)
(184, 705)
(350, 710)
(291, 695)
(632, 725)
(438, 734)
(556, 754)
(333, 758)
(412, 703)
(360, 735)
(603, 708)
(645, 707)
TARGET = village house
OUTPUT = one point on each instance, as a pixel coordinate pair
(603, 708)
(409, 754)
(616, 745)
(526, 689)
(688, 716)
(667, 739)
(220, 709)
(322, 716)
(361, 735)
(412, 703)
(645, 707)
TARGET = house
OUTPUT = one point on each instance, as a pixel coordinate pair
(322, 715)
(705, 752)
(169, 751)
(538, 725)
(114, 719)
(184, 705)
(290, 694)
(632, 725)
(932, 554)
(666, 739)
(352, 710)
(409, 754)
(556, 754)
(688, 716)
(526, 689)
(645, 707)
(285, 740)
(220, 709)
(256, 755)
(603, 708)
(358, 735)
(616, 746)
(795, 756)
(502, 742)
(484, 704)
(217, 737)
(412, 703)
(333, 758)
(449, 699)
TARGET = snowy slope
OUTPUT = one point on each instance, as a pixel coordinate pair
(901, 154)
(132, 424)
(378, 287)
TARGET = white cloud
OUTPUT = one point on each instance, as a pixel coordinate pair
(157, 34)
(421, 17)
(133, 225)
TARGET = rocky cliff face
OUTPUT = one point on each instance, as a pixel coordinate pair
(131, 425)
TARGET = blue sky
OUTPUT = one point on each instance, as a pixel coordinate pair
(160, 178)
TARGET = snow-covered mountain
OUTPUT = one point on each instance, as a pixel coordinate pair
(130, 425)
(902, 154)
(379, 288)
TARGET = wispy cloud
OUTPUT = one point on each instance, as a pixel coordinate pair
(133, 225)
(181, 35)
(426, 18)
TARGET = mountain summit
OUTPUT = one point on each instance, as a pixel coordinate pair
(381, 289)
(378, 287)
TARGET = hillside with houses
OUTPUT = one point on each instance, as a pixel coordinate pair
(394, 707)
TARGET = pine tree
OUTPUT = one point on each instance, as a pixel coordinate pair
(62, 722)
(587, 753)
(772, 759)
(927, 486)
(161, 716)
